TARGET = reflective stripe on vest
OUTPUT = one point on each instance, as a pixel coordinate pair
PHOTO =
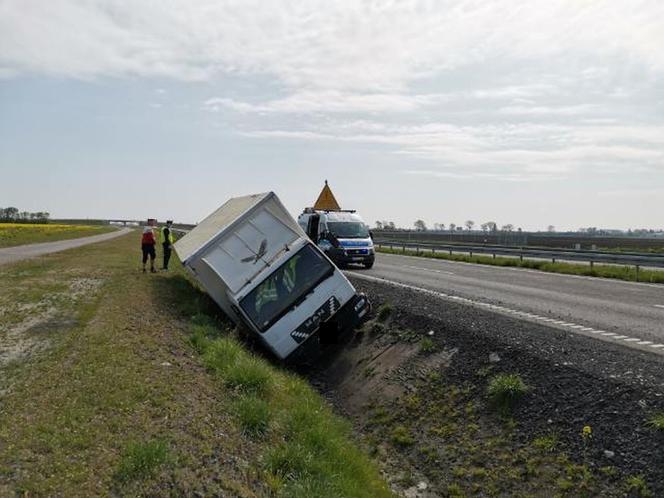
(162, 239)
(290, 274)
(267, 292)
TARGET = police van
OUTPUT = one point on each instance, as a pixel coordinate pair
(342, 235)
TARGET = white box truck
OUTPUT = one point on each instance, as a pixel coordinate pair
(258, 265)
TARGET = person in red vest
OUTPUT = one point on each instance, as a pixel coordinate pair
(148, 242)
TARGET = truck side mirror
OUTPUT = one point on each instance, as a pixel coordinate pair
(371, 235)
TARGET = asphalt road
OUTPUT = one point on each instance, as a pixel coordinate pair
(18, 253)
(625, 312)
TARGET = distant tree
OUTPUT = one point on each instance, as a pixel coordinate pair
(551, 229)
(420, 225)
(484, 227)
(469, 224)
(11, 213)
(452, 227)
(492, 226)
(390, 225)
(379, 225)
(507, 228)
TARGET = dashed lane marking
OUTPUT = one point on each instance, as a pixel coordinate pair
(607, 336)
(659, 306)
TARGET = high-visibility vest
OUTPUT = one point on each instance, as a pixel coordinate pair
(290, 274)
(267, 292)
(162, 237)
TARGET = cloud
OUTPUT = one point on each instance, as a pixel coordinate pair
(319, 44)
(514, 152)
(331, 101)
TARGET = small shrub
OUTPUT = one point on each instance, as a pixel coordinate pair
(249, 374)
(290, 461)
(505, 390)
(401, 436)
(546, 443)
(253, 414)
(141, 460)
(657, 421)
(221, 354)
(384, 312)
(636, 486)
(427, 345)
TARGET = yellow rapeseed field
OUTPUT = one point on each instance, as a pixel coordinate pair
(15, 234)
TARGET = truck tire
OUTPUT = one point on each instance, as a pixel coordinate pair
(368, 264)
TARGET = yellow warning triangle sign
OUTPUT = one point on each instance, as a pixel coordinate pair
(326, 200)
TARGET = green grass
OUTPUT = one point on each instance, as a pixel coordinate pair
(427, 345)
(384, 312)
(637, 486)
(141, 389)
(604, 271)
(657, 421)
(141, 460)
(547, 443)
(401, 436)
(253, 414)
(303, 441)
(505, 390)
(16, 234)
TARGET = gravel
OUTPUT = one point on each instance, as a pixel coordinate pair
(576, 381)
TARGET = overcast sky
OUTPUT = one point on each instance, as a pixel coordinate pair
(524, 112)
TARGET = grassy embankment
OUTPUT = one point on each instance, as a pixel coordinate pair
(604, 271)
(118, 382)
(16, 234)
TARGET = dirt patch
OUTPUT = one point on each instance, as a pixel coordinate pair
(19, 341)
(84, 287)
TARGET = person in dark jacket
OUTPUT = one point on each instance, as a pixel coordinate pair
(147, 246)
(167, 239)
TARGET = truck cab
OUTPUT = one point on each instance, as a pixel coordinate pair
(258, 265)
(342, 235)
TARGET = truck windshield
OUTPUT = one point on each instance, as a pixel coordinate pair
(348, 229)
(286, 287)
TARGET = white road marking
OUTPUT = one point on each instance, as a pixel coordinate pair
(538, 272)
(659, 306)
(429, 269)
(502, 309)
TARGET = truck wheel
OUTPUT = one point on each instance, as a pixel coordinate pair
(368, 264)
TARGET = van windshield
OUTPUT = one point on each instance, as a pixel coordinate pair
(286, 287)
(348, 229)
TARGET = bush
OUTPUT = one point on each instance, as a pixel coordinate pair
(141, 460)
(657, 421)
(505, 390)
(401, 436)
(427, 345)
(253, 414)
(384, 312)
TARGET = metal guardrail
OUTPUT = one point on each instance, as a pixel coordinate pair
(637, 260)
